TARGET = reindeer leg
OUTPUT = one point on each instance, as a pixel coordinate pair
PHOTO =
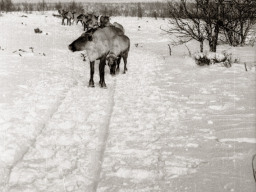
(102, 72)
(118, 63)
(125, 63)
(91, 82)
(113, 68)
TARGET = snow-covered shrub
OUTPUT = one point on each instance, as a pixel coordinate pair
(198, 55)
(201, 59)
(216, 57)
(251, 38)
(232, 58)
(212, 58)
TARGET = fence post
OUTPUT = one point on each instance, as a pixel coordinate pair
(170, 49)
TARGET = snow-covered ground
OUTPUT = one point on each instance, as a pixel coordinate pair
(167, 125)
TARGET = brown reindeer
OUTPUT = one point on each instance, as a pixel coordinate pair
(104, 21)
(119, 49)
(90, 21)
(66, 15)
(97, 45)
(77, 17)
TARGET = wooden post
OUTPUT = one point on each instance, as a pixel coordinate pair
(254, 166)
(170, 49)
(188, 51)
(245, 66)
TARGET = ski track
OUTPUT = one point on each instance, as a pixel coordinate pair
(62, 155)
(39, 126)
(136, 156)
(40, 130)
(25, 141)
(99, 158)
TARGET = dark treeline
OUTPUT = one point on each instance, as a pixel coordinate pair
(143, 9)
(140, 9)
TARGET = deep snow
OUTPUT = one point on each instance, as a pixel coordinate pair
(166, 125)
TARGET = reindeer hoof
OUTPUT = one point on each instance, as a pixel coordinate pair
(91, 83)
(103, 85)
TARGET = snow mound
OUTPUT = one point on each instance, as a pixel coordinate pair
(208, 58)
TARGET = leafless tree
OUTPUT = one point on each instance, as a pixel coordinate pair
(2, 5)
(207, 19)
(6, 5)
(155, 15)
(239, 16)
(139, 11)
(25, 7)
(41, 6)
(58, 6)
(31, 7)
(186, 24)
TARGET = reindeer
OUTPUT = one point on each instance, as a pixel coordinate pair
(119, 49)
(118, 25)
(90, 21)
(104, 21)
(77, 17)
(66, 15)
(97, 45)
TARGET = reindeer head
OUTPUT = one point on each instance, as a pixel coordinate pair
(111, 59)
(79, 44)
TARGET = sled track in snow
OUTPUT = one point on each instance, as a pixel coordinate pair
(42, 128)
(103, 138)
